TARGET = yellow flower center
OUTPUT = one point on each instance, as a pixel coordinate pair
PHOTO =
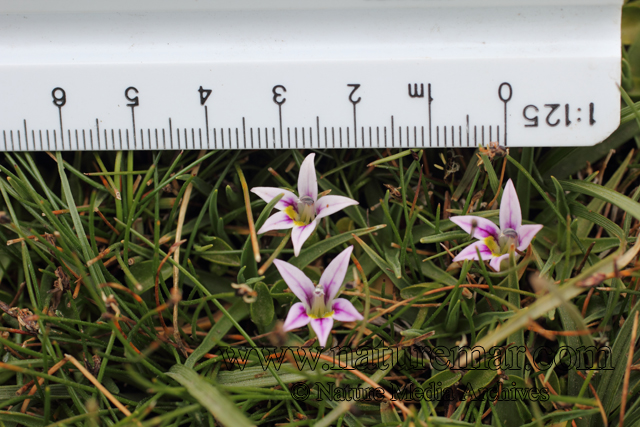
(329, 314)
(305, 213)
(492, 245)
(294, 216)
(507, 238)
(318, 306)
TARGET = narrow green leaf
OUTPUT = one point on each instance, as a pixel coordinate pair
(561, 416)
(383, 265)
(388, 414)
(146, 275)
(257, 376)
(315, 251)
(572, 321)
(596, 205)
(493, 178)
(239, 310)
(213, 211)
(96, 274)
(416, 290)
(440, 381)
(630, 104)
(390, 158)
(215, 401)
(603, 193)
(479, 379)
(248, 260)
(392, 258)
(22, 419)
(444, 237)
(215, 250)
(561, 201)
(467, 178)
(594, 218)
(610, 379)
(433, 272)
(262, 309)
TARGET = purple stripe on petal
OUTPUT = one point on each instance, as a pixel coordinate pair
(495, 262)
(269, 193)
(277, 221)
(470, 252)
(322, 328)
(481, 227)
(307, 180)
(510, 213)
(297, 281)
(333, 275)
(344, 311)
(296, 318)
(526, 233)
(299, 235)
(328, 205)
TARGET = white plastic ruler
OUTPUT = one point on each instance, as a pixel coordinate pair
(193, 74)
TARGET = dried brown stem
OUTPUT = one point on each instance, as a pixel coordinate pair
(627, 371)
(156, 287)
(247, 203)
(97, 384)
(176, 255)
(33, 390)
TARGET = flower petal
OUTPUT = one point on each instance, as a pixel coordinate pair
(470, 252)
(296, 318)
(333, 276)
(297, 281)
(510, 213)
(269, 193)
(495, 262)
(344, 311)
(481, 227)
(526, 234)
(307, 181)
(328, 205)
(299, 235)
(322, 328)
(277, 221)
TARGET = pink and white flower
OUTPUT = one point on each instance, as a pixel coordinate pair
(319, 305)
(302, 212)
(495, 241)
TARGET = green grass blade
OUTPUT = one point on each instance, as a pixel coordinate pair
(216, 402)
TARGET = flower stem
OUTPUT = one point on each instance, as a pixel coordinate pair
(247, 202)
(275, 254)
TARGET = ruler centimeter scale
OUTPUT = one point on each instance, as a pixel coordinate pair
(142, 75)
(326, 137)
